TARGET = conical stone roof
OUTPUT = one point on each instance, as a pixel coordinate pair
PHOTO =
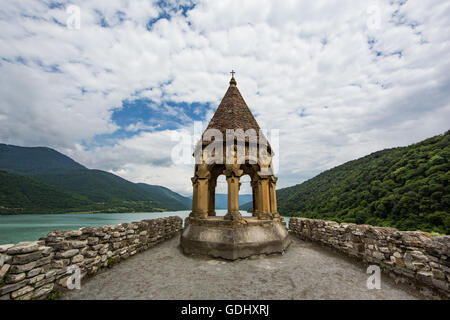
(233, 112)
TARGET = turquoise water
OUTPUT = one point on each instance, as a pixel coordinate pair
(31, 227)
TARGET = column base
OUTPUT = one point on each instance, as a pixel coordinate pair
(255, 213)
(199, 214)
(265, 216)
(216, 238)
(234, 216)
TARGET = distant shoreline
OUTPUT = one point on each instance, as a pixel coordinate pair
(86, 212)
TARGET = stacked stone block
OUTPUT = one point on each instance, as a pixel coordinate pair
(412, 257)
(32, 270)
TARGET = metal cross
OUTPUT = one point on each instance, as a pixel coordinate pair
(232, 73)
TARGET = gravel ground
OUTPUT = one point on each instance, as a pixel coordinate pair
(305, 271)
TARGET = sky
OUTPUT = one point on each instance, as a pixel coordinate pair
(114, 83)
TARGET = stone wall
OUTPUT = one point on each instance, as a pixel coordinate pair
(411, 257)
(33, 270)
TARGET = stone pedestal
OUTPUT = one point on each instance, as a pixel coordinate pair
(218, 237)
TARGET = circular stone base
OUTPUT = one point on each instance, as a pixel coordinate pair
(217, 237)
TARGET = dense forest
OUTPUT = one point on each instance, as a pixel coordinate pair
(42, 180)
(407, 188)
(20, 194)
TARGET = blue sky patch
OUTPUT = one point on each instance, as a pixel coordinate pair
(56, 5)
(167, 10)
(144, 114)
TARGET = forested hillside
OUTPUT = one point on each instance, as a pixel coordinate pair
(167, 196)
(36, 180)
(19, 194)
(407, 188)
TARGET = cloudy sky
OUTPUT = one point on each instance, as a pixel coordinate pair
(338, 79)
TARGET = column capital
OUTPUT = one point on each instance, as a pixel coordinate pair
(263, 180)
(233, 170)
(232, 177)
(203, 171)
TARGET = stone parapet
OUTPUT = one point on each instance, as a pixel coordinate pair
(32, 270)
(412, 257)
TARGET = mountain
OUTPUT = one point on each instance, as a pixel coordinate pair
(100, 191)
(222, 200)
(406, 188)
(165, 195)
(96, 185)
(25, 160)
(247, 206)
(19, 194)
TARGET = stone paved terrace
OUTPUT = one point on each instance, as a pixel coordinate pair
(305, 271)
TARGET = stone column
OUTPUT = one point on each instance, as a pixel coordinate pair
(233, 194)
(233, 199)
(256, 198)
(273, 196)
(265, 199)
(200, 195)
(212, 198)
(233, 172)
(202, 204)
(194, 195)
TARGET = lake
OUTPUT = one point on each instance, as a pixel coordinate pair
(31, 227)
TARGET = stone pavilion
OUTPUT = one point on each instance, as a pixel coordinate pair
(233, 145)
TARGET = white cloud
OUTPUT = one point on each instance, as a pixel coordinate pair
(138, 126)
(336, 89)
